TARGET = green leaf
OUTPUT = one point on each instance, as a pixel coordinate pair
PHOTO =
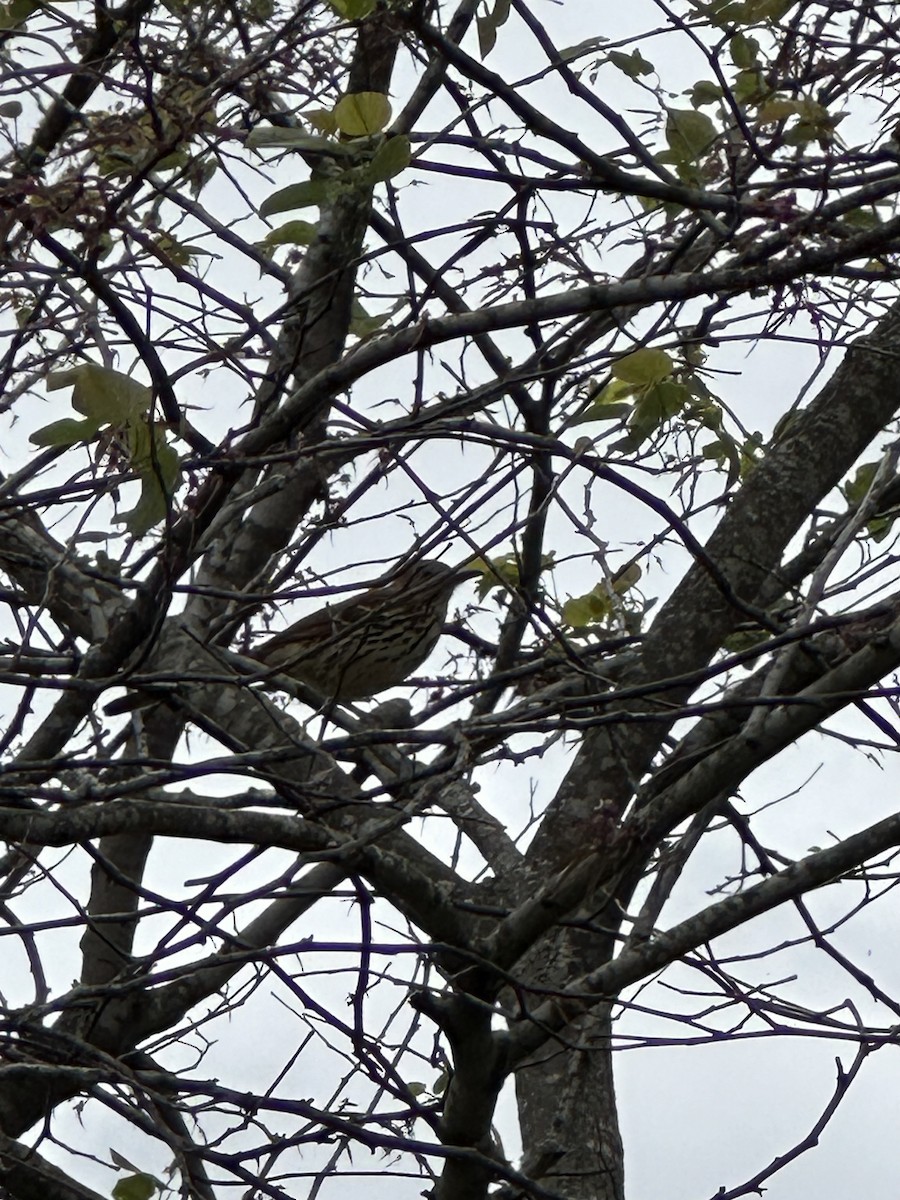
(724, 450)
(666, 398)
(751, 452)
(732, 12)
(361, 324)
(609, 404)
(816, 124)
(174, 161)
(17, 11)
(855, 492)
(750, 87)
(391, 157)
(181, 254)
(778, 108)
(580, 49)
(322, 119)
(603, 410)
(744, 51)
(160, 475)
(103, 395)
(709, 416)
(270, 137)
(643, 367)
(590, 609)
(293, 233)
(67, 432)
(879, 527)
(634, 64)
(818, 114)
(745, 639)
(487, 35)
(800, 135)
(862, 218)
(362, 113)
(123, 1163)
(150, 454)
(108, 398)
(503, 572)
(135, 1187)
(690, 134)
(671, 395)
(857, 488)
(488, 24)
(301, 195)
(705, 91)
(12, 108)
(766, 10)
(654, 406)
(353, 10)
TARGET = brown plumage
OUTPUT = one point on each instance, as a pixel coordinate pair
(361, 646)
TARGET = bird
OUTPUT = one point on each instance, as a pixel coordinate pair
(368, 643)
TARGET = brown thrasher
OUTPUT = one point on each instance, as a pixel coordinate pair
(363, 645)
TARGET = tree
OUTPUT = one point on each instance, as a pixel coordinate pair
(533, 315)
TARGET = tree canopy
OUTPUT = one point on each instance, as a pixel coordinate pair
(597, 302)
